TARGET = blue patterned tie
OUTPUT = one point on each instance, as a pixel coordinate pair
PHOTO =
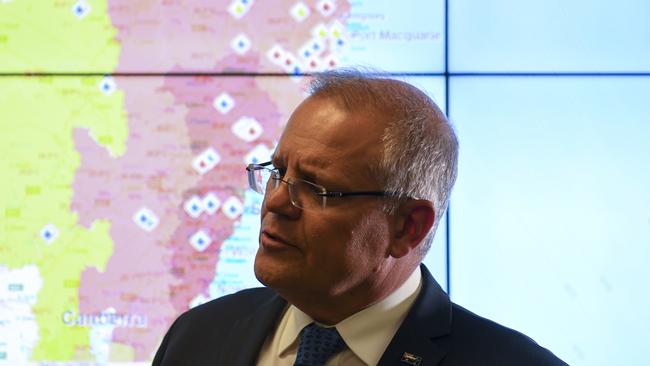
(317, 345)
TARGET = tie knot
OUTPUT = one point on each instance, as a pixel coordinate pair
(317, 345)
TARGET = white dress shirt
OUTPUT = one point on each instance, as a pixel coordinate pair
(366, 333)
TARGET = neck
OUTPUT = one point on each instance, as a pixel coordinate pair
(331, 309)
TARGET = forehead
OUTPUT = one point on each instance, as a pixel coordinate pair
(322, 134)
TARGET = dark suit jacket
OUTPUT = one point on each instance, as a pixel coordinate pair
(232, 329)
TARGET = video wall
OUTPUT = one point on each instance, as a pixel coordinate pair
(125, 127)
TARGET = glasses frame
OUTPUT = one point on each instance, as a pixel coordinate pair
(275, 174)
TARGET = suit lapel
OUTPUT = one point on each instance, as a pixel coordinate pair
(417, 341)
(248, 334)
(418, 338)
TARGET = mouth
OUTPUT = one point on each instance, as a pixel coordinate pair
(274, 241)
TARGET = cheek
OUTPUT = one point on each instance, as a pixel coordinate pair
(327, 240)
(347, 241)
(370, 238)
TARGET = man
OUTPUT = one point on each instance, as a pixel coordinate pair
(357, 185)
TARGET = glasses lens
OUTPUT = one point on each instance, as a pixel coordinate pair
(258, 179)
(303, 194)
(306, 195)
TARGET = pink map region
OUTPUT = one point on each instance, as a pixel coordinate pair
(153, 173)
(196, 35)
(172, 120)
(157, 274)
(207, 127)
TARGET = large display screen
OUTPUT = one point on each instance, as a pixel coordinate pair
(550, 36)
(125, 127)
(550, 225)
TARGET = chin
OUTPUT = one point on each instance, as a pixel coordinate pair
(276, 274)
(267, 271)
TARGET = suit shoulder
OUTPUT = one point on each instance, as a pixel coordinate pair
(198, 336)
(493, 343)
(230, 307)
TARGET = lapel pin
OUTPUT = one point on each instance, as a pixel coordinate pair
(411, 359)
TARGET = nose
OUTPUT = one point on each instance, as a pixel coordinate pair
(279, 202)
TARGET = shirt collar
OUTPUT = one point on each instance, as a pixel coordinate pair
(367, 332)
(296, 320)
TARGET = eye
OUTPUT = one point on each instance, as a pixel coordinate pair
(280, 171)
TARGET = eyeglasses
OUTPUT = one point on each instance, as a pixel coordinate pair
(303, 194)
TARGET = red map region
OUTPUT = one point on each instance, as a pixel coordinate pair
(194, 35)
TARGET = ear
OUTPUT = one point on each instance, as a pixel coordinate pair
(413, 222)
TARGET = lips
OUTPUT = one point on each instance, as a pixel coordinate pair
(273, 240)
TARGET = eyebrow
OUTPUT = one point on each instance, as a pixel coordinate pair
(309, 166)
(314, 161)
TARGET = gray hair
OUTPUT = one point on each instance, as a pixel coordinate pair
(420, 152)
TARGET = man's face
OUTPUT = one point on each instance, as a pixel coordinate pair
(341, 248)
